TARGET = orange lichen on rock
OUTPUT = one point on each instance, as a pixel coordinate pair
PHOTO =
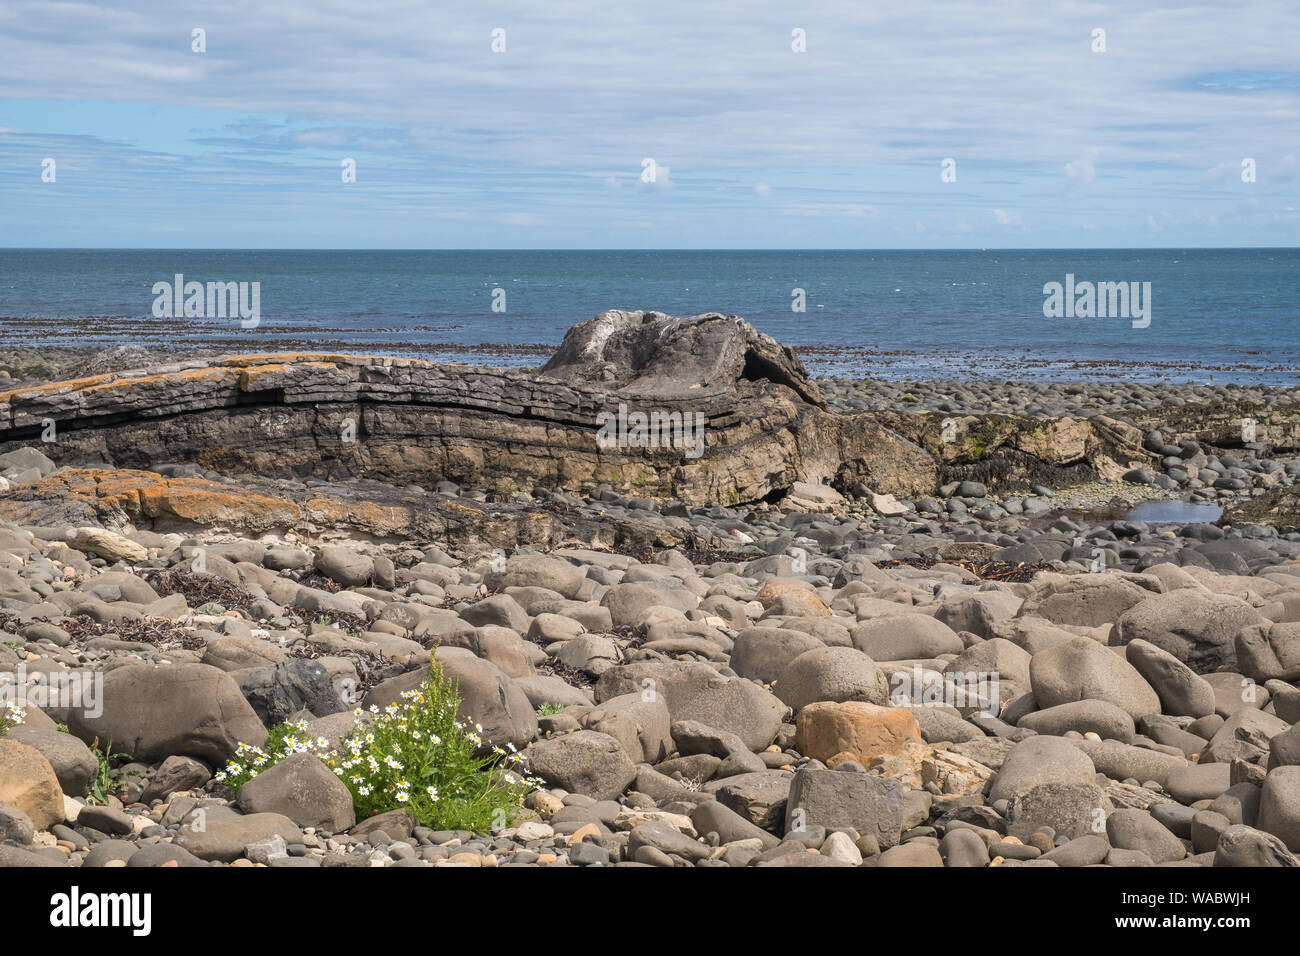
(329, 358)
(164, 379)
(202, 502)
(96, 492)
(49, 388)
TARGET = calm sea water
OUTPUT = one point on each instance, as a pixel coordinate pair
(1227, 315)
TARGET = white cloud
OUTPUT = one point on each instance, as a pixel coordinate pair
(1081, 172)
(440, 124)
(663, 180)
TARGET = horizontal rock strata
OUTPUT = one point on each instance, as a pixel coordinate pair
(765, 424)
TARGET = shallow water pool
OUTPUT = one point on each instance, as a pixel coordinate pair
(1176, 512)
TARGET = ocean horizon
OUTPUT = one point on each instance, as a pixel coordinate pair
(1195, 315)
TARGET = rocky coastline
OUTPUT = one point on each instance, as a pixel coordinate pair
(845, 623)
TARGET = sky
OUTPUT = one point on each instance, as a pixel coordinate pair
(826, 124)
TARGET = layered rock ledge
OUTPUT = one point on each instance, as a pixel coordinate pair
(766, 425)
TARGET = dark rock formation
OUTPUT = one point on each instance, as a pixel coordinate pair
(701, 409)
(404, 421)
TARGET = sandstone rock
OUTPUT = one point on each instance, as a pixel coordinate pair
(864, 730)
(153, 712)
(1087, 600)
(1245, 846)
(224, 838)
(1197, 628)
(831, 674)
(698, 692)
(922, 767)
(905, 637)
(73, 762)
(839, 799)
(585, 762)
(107, 545)
(1082, 669)
(1279, 806)
(1038, 761)
(303, 789)
(1181, 691)
(1137, 830)
(1269, 651)
(28, 783)
(1107, 720)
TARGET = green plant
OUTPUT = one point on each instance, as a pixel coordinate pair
(212, 608)
(108, 780)
(62, 728)
(283, 740)
(11, 715)
(547, 709)
(13, 645)
(417, 755)
(324, 620)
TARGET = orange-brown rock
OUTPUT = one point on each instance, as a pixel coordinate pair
(827, 730)
(145, 499)
(798, 593)
(27, 781)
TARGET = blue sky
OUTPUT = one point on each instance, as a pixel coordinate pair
(756, 145)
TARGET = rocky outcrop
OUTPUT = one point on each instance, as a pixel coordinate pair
(701, 409)
(1013, 450)
(759, 419)
(146, 499)
(1280, 508)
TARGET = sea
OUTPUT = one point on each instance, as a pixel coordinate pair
(1226, 316)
